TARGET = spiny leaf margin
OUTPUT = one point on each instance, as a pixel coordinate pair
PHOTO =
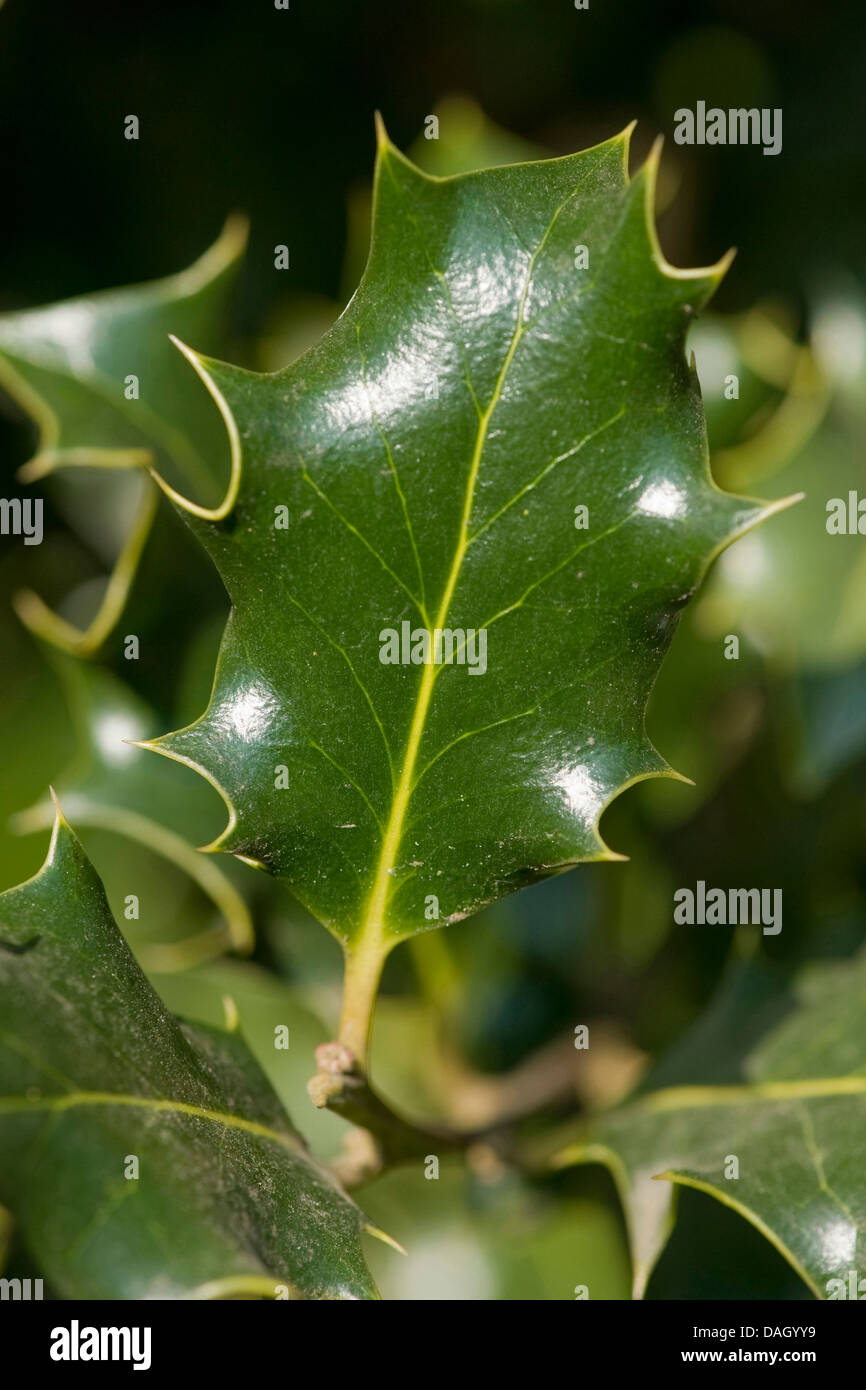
(206, 744)
(227, 1200)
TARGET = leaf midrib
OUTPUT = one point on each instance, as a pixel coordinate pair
(11, 1105)
(700, 1097)
(373, 935)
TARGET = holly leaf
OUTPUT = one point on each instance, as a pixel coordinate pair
(105, 386)
(775, 1131)
(144, 1157)
(114, 786)
(267, 1007)
(515, 352)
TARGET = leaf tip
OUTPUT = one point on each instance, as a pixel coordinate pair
(145, 743)
(39, 466)
(674, 776)
(564, 1158)
(784, 503)
(60, 827)
(235, 234)
(624, 139)
(231, 1015)
(760, 512)
(384, 1237)
(382, 138)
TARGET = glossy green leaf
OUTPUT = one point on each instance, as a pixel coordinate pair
(263, 1003)
(429, 455)
(70, 367)
(115, 786)
(227, 1200)
(787, 1063)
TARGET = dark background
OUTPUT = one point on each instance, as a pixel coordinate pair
(270, 111)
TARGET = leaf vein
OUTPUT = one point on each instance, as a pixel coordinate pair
(363, 539)
(391, 464)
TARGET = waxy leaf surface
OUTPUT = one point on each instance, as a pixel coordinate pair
(95, 1071)
(787, 1063)
(429, 453)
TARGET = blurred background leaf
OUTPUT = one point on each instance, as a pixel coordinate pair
(111, 397)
